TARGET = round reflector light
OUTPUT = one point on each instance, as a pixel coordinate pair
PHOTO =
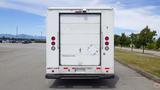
(106, 48)
(53, 48)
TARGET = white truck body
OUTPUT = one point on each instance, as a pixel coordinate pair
(80, 43)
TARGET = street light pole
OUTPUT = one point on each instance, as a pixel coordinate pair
(16, 31)
(41, 35)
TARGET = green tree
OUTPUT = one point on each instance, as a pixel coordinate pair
(151, 45)
(146, 37)
(158, 43)
(128, 41)
(132, 39)
(136, 41)
(116, 40)
(123, 39)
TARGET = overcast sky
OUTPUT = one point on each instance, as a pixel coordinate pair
(29, 15)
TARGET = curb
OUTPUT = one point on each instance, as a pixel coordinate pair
(140, 71)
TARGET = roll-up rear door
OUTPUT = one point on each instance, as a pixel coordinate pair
(79, 39)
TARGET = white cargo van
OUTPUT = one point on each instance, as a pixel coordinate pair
(80, 43)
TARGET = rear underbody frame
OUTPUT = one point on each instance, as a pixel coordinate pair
(79, 76)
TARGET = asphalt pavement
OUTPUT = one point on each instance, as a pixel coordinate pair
(22, 67)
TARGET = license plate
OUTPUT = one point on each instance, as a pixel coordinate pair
(80, 69)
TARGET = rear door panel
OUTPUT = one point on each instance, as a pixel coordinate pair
(80, 39)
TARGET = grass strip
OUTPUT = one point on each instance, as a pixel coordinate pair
(148, 63)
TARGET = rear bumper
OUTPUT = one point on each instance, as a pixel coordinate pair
(79, 76)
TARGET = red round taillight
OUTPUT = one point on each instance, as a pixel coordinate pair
(106, 38)
(106, 43)
(53, 43)
(53, 38)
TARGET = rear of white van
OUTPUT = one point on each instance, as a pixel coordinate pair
(79, 43)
